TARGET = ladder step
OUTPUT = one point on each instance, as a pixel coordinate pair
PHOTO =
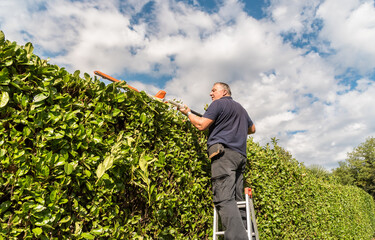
(222, 233)
(241, 204)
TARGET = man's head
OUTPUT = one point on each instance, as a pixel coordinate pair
(220, 90)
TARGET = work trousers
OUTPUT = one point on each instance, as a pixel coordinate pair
(227, 186)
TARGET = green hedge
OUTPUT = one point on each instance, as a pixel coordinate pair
(55, 130)
(82, 160)
(291, 203)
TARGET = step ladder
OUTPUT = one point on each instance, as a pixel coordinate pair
(252, 229)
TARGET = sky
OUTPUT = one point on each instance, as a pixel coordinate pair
(303, 69)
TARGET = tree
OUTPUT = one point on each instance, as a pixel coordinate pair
(343, 174)
(359, 168)
(319, 171)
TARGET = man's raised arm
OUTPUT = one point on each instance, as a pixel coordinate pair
(201, 123)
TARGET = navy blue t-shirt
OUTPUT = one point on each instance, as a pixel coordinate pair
(230, 126)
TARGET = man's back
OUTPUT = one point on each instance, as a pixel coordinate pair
(230, 126)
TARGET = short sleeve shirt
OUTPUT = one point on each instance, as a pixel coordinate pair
(230, 126)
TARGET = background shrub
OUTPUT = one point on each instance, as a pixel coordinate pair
(292, 202)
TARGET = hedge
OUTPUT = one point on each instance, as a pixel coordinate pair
(84, 160)
(292, 203)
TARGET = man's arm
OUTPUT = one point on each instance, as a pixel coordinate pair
(251, 129)
(201, 123)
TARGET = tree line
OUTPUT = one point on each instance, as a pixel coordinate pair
(357, 170)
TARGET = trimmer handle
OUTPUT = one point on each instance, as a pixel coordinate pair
(178, 105)
(182, 106)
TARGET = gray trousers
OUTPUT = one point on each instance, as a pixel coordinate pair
(227, 186)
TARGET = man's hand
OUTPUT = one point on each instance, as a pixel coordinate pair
(184, 110)
(201, 123)
(251, 129)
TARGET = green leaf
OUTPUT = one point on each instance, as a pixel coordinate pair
(8, 62)
(4, 77)
(76, 73)
(144, 177)
(114, 155)
(48, 70)
(78, 226)
(4, 206)
(143, 163)
(26, 131)
(97, 231)
(88, 173)
(4, 99)
(68, 168)
(46, 221)
(40, 97)
(29, 48)
(161, 157)
(152, 188)
(39, 208)
(2, 37)
(87, 236)
(143, 118)
(100, 170)
(116, 112)
(52, 196)
(65, 219)
(23, 170)
(37, 231)
(97, 138)
(108, 162)
(2, 152)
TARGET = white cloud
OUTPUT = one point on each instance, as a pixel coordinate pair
(335, 128)
(349, 27)
(132, 7)
(293, 16)
(291, 92)
(104, 41)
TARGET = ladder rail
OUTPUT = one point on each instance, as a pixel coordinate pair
(252, 210)
(249, 223)
(216, 224)
(252, 229)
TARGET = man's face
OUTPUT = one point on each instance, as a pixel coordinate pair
(217, 92)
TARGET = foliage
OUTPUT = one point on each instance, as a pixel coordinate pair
(293, 203)
(81, 160)
(319, 171)
(342, 174)
(359, 167)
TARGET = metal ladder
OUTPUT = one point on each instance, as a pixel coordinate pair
(252, 229)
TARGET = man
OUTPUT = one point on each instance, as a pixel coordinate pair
(228, 124)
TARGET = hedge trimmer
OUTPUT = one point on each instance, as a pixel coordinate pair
(158, 96)
(179, 105)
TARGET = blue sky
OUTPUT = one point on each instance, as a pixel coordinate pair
(304, 69)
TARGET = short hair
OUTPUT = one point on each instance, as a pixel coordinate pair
(225, 86)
